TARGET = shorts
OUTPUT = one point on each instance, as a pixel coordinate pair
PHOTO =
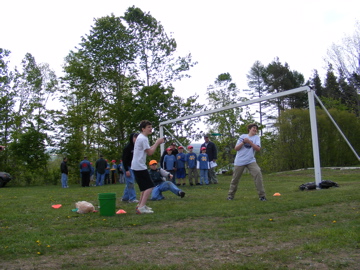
(143, 180)
(180, 173)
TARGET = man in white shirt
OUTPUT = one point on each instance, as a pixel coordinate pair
(138, 165)
(246, 147)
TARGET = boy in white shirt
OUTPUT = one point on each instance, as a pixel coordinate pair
(138, 165)
(246, 147)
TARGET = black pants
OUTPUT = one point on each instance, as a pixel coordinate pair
(85, 179)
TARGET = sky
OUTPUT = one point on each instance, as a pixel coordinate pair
(222, 36)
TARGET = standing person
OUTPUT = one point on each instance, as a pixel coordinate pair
(127, 156)
(170, 163)
(191, 160)
(203, 159)
(174, 152)
(85, 170)
(138, 165)
(157, 176)
(180, 166)
(246, 147)
(107, 173)
(100, 166)
(211, 151)
(113, 169)
(64, 173)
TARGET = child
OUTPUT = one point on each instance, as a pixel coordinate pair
(113, 171)
(203, 166)
(170, 162)
(191, 160)
(180, 166)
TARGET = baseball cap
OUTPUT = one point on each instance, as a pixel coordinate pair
(168, 149)
(190, 147)
(113, 161)
(173, 144)
(203, 148)
(152, 162)
(180, 147)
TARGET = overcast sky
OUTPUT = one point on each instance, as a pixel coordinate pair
(223, 36)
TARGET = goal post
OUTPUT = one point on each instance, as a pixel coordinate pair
(312, 112)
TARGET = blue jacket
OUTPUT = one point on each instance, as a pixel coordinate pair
(191, 159)
(85, 166)
(169, 162)
(180, 160)
(203, 161)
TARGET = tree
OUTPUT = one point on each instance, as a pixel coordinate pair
(257, 84)
(155, 50)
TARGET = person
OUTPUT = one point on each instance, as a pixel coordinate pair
(170, 163)
(246, 147)
(174, 152)
(203, 159)
(85, 170)
(127, 156)
(113, 169)
(120, 172)
(138, 165)
(107, 173)
(211, 151)
(157, 176)
(180, 166)
(191, 160)
(100, 166)
(64, 173)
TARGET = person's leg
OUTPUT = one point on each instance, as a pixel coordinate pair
(212, 176)
(66, 180)
(156, 194)
(145, 195)
(238, 171)
(255, 171)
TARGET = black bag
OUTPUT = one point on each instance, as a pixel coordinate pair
(325, 184)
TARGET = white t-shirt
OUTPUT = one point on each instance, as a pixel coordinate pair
(246, 154)
(138, 162)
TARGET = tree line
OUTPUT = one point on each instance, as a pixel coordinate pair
(122, 72)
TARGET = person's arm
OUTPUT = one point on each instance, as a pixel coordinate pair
(254, 146)
(152, 149)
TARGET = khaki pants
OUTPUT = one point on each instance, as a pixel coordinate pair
(212, 176)
(255, 171)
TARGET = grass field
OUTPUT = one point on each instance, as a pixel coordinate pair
(317, 229)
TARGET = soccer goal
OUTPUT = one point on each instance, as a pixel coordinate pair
(313, 122)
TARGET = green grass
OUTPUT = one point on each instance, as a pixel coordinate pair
(298, 230)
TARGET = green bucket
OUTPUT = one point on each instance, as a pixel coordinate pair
(107, 202)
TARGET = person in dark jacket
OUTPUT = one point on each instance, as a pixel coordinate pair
(128, 152)
(85, 170)
(100, 166)
(64, 173)
(211, 151)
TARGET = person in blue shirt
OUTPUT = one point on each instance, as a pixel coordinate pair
(191, 160)
(203, 159)
(169, 164)
(85, 170)
(180, 166)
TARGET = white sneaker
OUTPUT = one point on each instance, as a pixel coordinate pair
(147, 207)
(143, 210)
(134, 201)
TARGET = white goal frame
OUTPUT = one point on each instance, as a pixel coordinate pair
(312, 112)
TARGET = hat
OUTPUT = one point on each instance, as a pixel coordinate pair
(173, 143)
(190, 147)
(203, 148)
(152, 162)
(180, 147)
(206, 136)
(113, 161)
(168, 149)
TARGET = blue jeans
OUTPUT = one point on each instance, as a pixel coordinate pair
(100, 179)
(129, 191)
(164, 186)
(204, 177)
(64, 180)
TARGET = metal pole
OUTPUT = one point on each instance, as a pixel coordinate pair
(314, 136)
(162, 146)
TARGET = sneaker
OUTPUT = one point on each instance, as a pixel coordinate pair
(143, 210)
(183, 184)
(263, 199)
(147, 207)
(134, 201)
(182, 194)
(123, 200)
(198, 184)
(230, 198)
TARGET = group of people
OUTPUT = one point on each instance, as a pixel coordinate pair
(103, 173)
(155, 180)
